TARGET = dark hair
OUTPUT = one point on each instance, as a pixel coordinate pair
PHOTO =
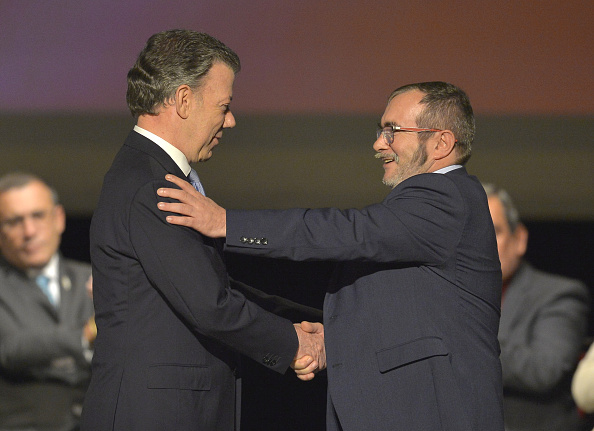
(17, 180)
(446, 107)
(170, 59)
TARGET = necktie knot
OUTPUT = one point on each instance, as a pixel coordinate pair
(195, 181)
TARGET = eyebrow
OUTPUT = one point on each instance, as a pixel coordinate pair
(389, 123)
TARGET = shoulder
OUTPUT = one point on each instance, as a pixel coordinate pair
(551, 285)
(428, 189)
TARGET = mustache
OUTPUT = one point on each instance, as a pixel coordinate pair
(387, 156)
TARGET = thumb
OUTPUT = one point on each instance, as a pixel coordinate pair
(314, 328)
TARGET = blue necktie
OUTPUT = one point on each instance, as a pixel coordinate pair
(43, 283)
(195, 181)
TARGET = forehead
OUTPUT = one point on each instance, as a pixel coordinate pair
(26, 199)
(404, 109)
(218, 82)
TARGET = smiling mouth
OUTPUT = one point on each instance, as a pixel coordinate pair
(387, 158)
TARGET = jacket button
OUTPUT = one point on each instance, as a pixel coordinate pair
(243, 239)
(264, 241)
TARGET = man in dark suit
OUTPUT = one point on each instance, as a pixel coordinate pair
(544, 319)
(45, 336)
(411, 319)
(170, 327)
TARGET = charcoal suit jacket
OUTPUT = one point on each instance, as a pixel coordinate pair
(412, 315)
(544, 318)
(170, 327)
(43, 368)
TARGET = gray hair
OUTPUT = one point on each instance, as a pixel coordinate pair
(15, 180)
(511, 213)
(170, 59)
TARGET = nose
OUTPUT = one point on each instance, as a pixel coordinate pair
(29, 227)
(380, 144)
(229, 120)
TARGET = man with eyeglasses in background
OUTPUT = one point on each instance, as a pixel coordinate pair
(411, 319)
(46, 312)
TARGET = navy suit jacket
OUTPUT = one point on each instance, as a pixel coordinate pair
(169, 326)
(411, 318)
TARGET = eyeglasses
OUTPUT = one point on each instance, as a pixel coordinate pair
(388, 131)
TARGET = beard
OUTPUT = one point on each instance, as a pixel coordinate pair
(407, 169)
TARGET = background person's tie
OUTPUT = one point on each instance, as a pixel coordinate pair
(195, 181)
(43, 283)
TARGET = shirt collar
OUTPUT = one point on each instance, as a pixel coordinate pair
(447, 169)
(178, 157)
(50, 270)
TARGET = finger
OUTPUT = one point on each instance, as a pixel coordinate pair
(183, 184)
(312, 327)
(175, 207)
(180, 221)
(307, 326)
(302, 362)
(312, 368)
(180, 195)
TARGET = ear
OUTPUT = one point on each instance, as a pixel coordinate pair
(444, 145)
(183, 99)
(521, 239)
(60, 218)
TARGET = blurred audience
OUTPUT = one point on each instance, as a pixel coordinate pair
(542, 328)
(46, 312)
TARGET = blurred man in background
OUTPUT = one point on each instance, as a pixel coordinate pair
(46, 323)
(543, 325)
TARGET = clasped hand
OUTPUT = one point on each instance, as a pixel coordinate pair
(311, 356)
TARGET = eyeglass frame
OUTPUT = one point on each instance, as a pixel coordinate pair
(382, 130)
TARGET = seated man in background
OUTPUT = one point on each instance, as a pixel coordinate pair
(542, 328)
(46, 312)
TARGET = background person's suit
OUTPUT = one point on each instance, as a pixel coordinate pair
(543, 324)
(43, 369)
(412, 317)
(169, 325)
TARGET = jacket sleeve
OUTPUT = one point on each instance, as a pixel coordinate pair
(188, 271)
(286, 308)
(402, 228)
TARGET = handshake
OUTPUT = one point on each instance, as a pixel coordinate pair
(311, 356)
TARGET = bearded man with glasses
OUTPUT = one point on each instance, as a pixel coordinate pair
(411, 319)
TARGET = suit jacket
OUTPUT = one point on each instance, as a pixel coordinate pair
(411, 319)
(543, 324)
(169, 326)
(43, 370)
